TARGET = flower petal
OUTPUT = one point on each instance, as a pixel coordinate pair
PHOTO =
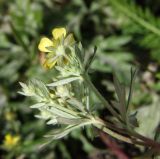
(56, 42)
(45, 42)
(58, 33)
(49, 65)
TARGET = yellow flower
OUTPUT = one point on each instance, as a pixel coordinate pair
(44, 43)
(10, 141)
(58, 33)
(55, 48)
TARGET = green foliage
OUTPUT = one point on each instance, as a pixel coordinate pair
(126, 33)
(141, 23)
(149, 115)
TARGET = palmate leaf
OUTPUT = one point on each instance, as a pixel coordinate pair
(122, 105)
(35, 89)
(121, 94)
(39, 88)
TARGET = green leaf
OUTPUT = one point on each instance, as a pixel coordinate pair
(66, 130)
(52, 121)
(120, 91)
(91, 59)
(77, 104)
(37, 105)
(61, 112)
(60, 133)
(133, 76)
(149, 118)
(64, 81)
(68, 121)
(79, 52)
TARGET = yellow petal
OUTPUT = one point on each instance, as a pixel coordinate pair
(56, 43)
(45, 42)
(16, 139)
(49, 65)
(11, 140)
(8, 137)
(58, 33)
(52, 64)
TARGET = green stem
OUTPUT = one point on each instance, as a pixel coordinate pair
(101, 98)
(133, 137)
(98, 123)
(114, 134)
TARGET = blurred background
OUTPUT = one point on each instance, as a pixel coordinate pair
(127, 34)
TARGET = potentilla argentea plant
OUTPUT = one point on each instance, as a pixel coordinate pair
(65, 101)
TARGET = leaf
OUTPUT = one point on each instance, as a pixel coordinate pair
(39, 87)
(52, 121)
(120, 91)
(79, 52)
(91, 59)
(60, 112)
(149, 118)
(106, 61)
(37, 105)
(133, 76)
(136, 14)
(68, 121)
(116, 105)
(77, 104)
(60, 133)
(45, 114)
(64, 81)
(115, 42)
(64, 131)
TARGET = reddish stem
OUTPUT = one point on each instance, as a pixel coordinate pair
(112, 145)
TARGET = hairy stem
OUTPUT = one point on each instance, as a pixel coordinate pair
(114, 134)
(132, 138)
